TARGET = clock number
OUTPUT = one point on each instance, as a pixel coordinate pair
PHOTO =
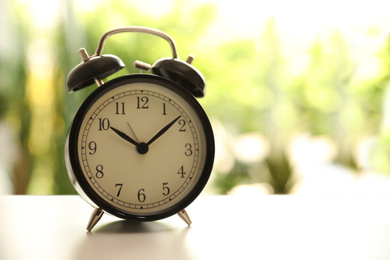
(93, 147)
(188, 151)
(120, 185)
(104, 124)
(120, 108)
(183, 123)
(166, 189)
(99, 171)
(141, 195)
(181, 172)
(142, 102)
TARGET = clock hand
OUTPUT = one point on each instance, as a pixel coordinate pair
(162, 131)
(124, 136)
(131, 129)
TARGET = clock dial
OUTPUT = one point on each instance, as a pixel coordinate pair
(142, 149)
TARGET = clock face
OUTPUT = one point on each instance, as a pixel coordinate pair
(141, 147)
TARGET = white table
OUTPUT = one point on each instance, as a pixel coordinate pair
(224, 227)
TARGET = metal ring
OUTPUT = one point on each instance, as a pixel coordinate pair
(139, 29)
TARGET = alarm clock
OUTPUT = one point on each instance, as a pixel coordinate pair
(140, 147)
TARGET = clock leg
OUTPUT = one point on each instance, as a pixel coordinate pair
(95, 217)
(184, 216)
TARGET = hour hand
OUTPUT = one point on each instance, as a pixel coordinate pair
(124, 136)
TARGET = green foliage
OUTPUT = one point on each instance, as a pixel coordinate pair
(250, 88)
(14, 107)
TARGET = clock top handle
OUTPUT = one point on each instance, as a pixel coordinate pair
(173, 69)
(139, 29)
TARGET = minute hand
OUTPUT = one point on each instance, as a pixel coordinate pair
(162, 131)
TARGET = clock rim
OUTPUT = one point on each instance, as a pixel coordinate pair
(73, 163)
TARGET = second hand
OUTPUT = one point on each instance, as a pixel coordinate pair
(131, 129)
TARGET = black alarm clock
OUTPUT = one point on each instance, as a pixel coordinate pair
(140, 147)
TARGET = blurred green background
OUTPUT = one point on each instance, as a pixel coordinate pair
(296, 90)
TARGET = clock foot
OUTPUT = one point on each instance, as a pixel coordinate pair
(95, 217)
(184, 216)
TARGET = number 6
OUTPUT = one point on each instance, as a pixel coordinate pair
(141, 195)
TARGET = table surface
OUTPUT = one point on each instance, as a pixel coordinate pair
(224, 227)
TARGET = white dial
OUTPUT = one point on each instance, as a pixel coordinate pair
(142, 148)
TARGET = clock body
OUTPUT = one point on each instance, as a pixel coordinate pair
(140, 147)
